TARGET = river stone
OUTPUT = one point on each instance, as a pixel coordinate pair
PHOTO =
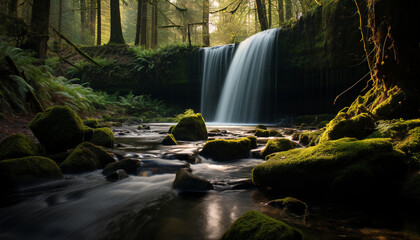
(129, 165)
(58, 128)
(103, 137)
(169, 140)
(187, 182)
(277, 145)
(257, 226)
(17, 146)
(189, 156)
(161, 166)
(117, 175)
(190, 128)
(223, 150)
(21, 172)
(291, 205)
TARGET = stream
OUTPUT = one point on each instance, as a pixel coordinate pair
(87, 206)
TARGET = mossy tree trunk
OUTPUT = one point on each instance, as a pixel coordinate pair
(40, 19)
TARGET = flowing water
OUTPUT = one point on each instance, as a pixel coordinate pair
(87, 206)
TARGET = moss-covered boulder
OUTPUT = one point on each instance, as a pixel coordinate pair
(103, 137)
(277, 145)
(411, 144)
(58, 128)
(169, 140)
(391, 106)
(261, 133)
(260, 126)
(17, 146)
(347, 167)
(358, 127)
(310, 138)
(171, 128)
(103, 157)
(291, 205)
(253, 141)
(187, 182)
(129, 165)
(92, 123)
(81, 159)
(223, 150)
(257, 226)
(274, 133)
(20, 172)
(396, 129)
(190, 128)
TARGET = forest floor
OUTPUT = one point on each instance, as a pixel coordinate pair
(13, 124)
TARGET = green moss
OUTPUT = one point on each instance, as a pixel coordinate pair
(358, 127)
(310, 138)
(92, 123)
(58, 128)
(190, 128)
(346, 167)
(260, 126)
(277, 145)
(169, 140)
(254, 225)
(102, 156)
(17, 146)
(411, 144)
(390, 106)
(290, 204)
(171, 128)
(222, 150)
(26, 171)
(395, 129)
(103, 137)
(253, 141)
(274, 133)
(262, 133)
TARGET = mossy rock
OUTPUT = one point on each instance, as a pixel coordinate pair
(291, 205)
(103, 157)
(187, 182)
(81, 159)
(253, 141)
(358, 127)
(58, 128)
(310, 138)
(396, 129)
(254, 225)
(103, 137)
(223, 150)
(190, 128)
(129, 165)
(21, 172)
(274, 133)
(92, 123)
(17, 146)
(277, 145)
(347, 168)
(171, 128)
(260, 126)
(411, 144)
(261, 133)
(169, 140)
(143, 127)
(391, 106)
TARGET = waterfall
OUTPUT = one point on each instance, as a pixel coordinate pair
(216, 61)
(249, 82)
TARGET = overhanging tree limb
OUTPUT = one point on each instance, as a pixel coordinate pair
(177, 8)
(223, 8)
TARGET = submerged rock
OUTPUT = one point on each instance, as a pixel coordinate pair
(58, 128)
(187, 182)
(190, 128)
(169, 140)
(277, 145)
(129, 165)
(291, 205)
(346, 168)
(222, 150)
(253, 141)
(117, 175)
(21, 172)
(189, 156)
(103, 137)
(257, 226)
(17, 146)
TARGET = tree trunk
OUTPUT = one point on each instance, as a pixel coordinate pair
(206, 32)
(138, 23)
(154, 23)
(83, 21)
(269, 14)
(281, 12)
(99, 24)
(116, 30)
(3, 7)
(12, 7)
(92, 20)
(39, 26)
(143, 24)
(288, 8)
(60, 20)
(262, 16)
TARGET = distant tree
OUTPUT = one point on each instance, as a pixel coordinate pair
(39, 28)
(288, 9)
(262, 16)
(138, 22)
(99, 23)
(269, 14)
(206, 33)
(12, 7)
(83, 20)
(116, 30)
(143, 24)
(280, 12)
(154, 24)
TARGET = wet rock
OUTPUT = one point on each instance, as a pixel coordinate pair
(143, 127)
(17, 146)
(22, 172)
(161, 166)
(291, 205)
(169, 140)
(256, 153)
(190, 128)
(242, 184)
(274, 133)
(187, 182)
(103, 137)
(289, 131)
(253, 141)
(117, 175)
(277, 145)
(257, 226)
(222, 150)
(295, 136)
(189, 156)
(58, 128)
(129, 165)
(262, 133)
(261, 126)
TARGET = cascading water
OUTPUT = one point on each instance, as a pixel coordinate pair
(216, 61)
(249, 82)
